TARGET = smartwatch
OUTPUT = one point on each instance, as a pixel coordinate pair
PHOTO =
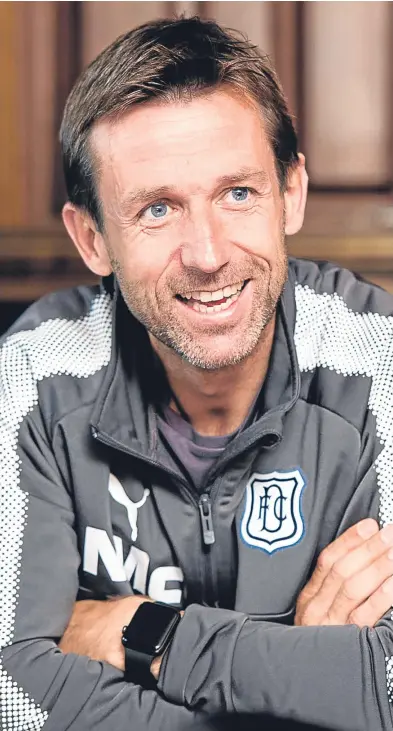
(147, 636)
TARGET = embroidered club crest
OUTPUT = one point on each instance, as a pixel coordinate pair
(272, 517)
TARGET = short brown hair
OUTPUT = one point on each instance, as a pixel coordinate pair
(168, 59)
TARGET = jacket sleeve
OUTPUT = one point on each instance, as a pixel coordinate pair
(39, 685)
(335, 676)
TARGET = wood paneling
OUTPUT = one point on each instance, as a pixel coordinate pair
(36, 261)
(11, 167)
(349, 214)
(344, 94)
(255, 19)
(38, 78)
(66, 71)
(184, 7)
(102, 22)
(348, 55)
(286, 54)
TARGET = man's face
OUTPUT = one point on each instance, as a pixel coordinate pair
(194, 223)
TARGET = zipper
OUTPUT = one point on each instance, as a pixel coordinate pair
(205, 511)
(206, 502)
(203, 504)
(209, 589)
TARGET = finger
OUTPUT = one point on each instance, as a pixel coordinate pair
(317, 606)
(355, 561)
(354, 537)
(359, 587)
(374, 608)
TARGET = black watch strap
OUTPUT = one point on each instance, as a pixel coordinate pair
(137, 668)
(146, 637)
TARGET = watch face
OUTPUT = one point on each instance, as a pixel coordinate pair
(150, 628)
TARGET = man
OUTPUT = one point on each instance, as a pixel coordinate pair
(210, 429)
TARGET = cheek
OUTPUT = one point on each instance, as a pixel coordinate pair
(142, 259)
(258, 233)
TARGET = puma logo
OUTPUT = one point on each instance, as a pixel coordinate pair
(118, 493)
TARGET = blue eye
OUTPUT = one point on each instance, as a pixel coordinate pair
(240, 194)
(158, 210)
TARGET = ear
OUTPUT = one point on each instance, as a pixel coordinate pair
(89, 242)
(295, 197)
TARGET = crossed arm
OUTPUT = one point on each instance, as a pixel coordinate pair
(351, 584)
(219, 660)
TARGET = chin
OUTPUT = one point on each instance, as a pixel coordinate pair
(216, 359)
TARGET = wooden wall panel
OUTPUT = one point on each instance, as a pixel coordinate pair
(348, 57)
(183, 7)
(102, 22)
(38, 78)
(67, 70)
(286, 52)
(255, 19)
(347, 81)
(11, 167)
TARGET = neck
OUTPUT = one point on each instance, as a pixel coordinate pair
(216, 402)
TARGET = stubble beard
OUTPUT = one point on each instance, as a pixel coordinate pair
(171, 332)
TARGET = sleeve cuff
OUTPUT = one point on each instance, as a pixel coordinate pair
(198, 665)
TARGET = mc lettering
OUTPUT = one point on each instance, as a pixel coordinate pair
(159, 586)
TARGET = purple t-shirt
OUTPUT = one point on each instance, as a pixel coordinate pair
(195, 454)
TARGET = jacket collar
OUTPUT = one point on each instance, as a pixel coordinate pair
(125, 412)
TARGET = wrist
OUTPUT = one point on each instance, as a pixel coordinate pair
(155, 667)
(146, 639)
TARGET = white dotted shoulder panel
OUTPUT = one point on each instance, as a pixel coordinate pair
(330, 335)
(78, 348)
(17, 711)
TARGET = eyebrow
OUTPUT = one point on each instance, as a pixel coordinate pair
(138, 196)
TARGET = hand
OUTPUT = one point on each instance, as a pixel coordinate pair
(95, 628)
(156, 666)
(353, 579)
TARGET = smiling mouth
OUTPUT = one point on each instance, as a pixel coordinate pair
(220, 299)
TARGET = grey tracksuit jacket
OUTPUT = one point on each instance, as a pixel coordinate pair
(93, 506)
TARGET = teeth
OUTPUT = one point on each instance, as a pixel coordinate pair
(219, 294)
(199, 307)
(204, 296)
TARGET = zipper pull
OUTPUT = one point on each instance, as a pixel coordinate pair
(205, 510)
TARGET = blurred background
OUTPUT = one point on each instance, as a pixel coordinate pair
(335, 60)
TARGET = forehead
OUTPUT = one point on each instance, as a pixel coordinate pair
(181, 143)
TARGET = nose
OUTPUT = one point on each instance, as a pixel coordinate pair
(205, 246)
